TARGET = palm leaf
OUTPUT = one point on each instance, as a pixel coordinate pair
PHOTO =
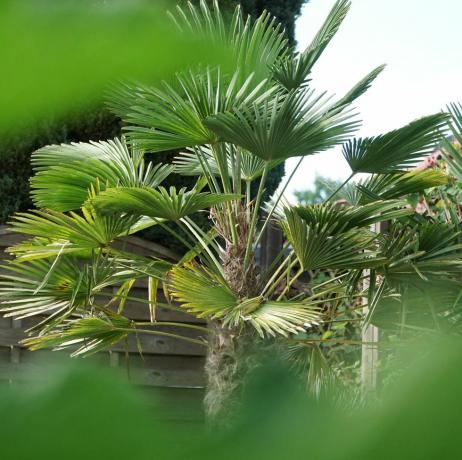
(88, 334)
(392, 186)
(452, 149)
(272, 318)
(173, 117)
(318, 246)
(293, 73)
(201, 160)
(159, 204)
(415, 252)
(68, 285)
(398, 149)
(285, 126)
(255, 44)
(78, 232)
(342, 219)
(200, 292)
(65, 173)
(359, 89)
(455, 122)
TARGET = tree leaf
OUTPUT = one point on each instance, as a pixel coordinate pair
(398, 149)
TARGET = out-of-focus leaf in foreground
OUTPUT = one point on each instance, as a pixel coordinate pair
(90, 414)
(85, 412)
(418, 418)
(58, 56)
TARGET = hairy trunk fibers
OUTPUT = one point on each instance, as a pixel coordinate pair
(232, 353)
(231, 356)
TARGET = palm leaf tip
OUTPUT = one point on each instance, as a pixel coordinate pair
(398, 149)
(293, 73)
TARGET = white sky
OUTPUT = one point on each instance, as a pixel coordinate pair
(421, 43)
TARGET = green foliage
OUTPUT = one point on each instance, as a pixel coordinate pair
(79, 124)
(16, 149)
(293, 73)
(249, 124)
(165, 204)
(276, 129)
(398, 149)
(393, 186)
(321, 190)
(93, 165)
(278, 420)
(82, 39)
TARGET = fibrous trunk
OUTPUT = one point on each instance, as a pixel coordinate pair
(231, 357)
(231, 351)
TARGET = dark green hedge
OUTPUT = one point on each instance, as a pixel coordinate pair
(285, 11)
(99, 124)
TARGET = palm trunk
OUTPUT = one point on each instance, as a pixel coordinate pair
(232, 353)
(231, 357)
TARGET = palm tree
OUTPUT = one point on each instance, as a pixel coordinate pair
(232, 125)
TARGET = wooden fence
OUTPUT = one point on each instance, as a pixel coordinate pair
(173, 367)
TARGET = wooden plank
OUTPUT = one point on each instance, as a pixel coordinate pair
(139, 311)
(165, 371)
(150, 343)
(5, 323)
(144, 247)
(5, 354)
(9, 238)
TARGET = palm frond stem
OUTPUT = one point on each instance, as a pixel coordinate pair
(253, 223)
(276, 202)
(340, 187)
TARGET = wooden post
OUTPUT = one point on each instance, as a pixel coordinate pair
(369, 357)
(271, 245)
(15, 352)
(370, 337)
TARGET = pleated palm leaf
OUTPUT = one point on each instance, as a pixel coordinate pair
(234, 128)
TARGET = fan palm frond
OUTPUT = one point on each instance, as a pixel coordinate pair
(392, 186)
(255, 44)
(272, 318)
(88, 334)
(291, 125)
(173, 117)
(200, 291)
(69, 284)
(318, 247)
(452, 149)
(77, 232)
(201, 159)
(66, 172)
(455, 122)
(293, 73)
(398, 149)
(159, 204)
(341, 219)
(417, 252)
(358, 90)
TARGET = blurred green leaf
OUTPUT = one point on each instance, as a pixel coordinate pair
(62, 55)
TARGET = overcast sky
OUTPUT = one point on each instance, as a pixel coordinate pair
(421, 43)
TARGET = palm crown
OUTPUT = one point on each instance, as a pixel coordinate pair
(231, 128)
